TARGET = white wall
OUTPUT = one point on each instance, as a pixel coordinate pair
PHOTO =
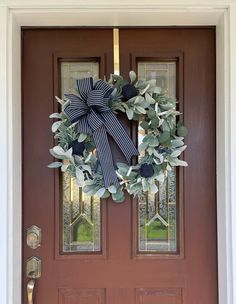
(16, 13)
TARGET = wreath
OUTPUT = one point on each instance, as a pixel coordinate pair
(82, 127)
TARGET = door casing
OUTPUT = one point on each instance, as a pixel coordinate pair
(10, 116)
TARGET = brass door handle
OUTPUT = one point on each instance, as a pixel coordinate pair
(33, 272)
(30, 290)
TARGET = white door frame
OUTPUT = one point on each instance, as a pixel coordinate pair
(17, 13)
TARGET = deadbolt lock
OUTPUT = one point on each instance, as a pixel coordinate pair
(34, 236)
(33, 268)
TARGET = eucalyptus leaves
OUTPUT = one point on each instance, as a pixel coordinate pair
(162, 139)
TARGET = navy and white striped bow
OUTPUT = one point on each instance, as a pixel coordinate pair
(94, 117)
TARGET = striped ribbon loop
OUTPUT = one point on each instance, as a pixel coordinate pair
(94, 117)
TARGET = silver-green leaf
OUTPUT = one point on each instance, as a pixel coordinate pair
(130, 114)
(55, 165)
(101, 192)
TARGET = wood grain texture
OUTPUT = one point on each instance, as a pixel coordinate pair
(81, 296)
(197, 272)
(158, 296)
(41, 51)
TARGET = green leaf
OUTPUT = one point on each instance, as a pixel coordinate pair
(136, 116)
(130, 114)
(122, 165)
(176, 143)
(151, 82)
(149, 98)
(176, 153)
(182, 163)
(64, 167)
(150, 150)
(90, 189)
(178, 162)
(87, 168)
(112, 189)
(155, 122)
(159, 156)
(82, 137)
(182, 131)
(106, 194)
(131, 101)
(136, 187)
(101, 192)
(160, 178)
(153, 188)
(118, 197)
(120, 200)
(132, 76)
(151, 113)
(147, 138)
(55, 165)
(56, 125)
(55, 155)
(79, 176)
(155, 89)
(59, 100)
(142, 146)
(140, 109)
(157, 161)
(138, 100)
(55, 115)
(182, 148)
(116, 77)
(145, 185)
(142, 92)
(58, 150)
(153, 142)
(68, 153)
(144, 125)
(164, 137)
(88, 158)
(67, 102)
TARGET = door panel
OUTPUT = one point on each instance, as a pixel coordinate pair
(44, 51)
(194, 52)
(158, 251)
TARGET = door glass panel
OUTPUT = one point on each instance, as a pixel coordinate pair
(163, 72)
(70, 71)
(81, 218)
(157, 215)
(81, 214)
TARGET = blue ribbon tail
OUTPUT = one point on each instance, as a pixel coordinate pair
(105, 157)
(117, 131)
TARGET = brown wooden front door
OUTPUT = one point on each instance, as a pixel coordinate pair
(159, 250)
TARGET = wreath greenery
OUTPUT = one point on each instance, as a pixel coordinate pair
(159, 151)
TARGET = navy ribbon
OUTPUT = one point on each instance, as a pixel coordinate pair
(94, 117)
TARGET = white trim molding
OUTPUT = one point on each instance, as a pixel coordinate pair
(17, 13)
(3, 155)
(232, 135)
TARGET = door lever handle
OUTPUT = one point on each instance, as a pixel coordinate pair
(33, 272)
(30, 290)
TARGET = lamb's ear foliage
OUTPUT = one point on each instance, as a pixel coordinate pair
(160, 147)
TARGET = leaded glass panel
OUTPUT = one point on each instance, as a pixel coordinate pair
(157, 213)
(81, 218)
